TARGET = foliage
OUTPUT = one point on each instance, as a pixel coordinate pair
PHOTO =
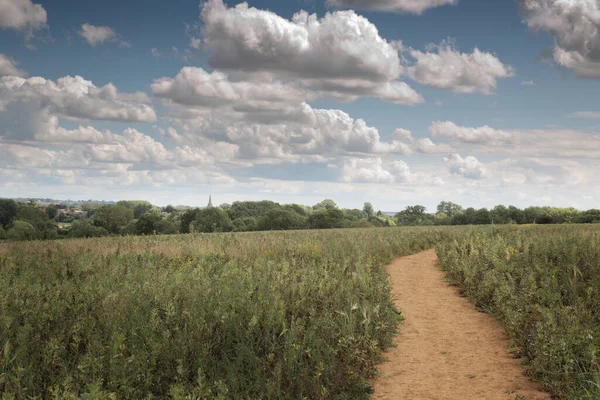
(326, 218)
(325, 204)
(2, 233)
(22, 230)
(8, 211)
(148, 223)
(280, 220)
(449, 208)
(234, 316)
(84, 229)
(368, 209)
(112, 218)
(413, 215)
(211, 220)
(543, 285)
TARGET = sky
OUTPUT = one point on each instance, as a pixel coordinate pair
(395, 102)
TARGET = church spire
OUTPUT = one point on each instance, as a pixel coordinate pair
(210, 205)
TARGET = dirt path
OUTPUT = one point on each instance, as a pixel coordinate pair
(446, 349)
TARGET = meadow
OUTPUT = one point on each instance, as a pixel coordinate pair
(278, 315)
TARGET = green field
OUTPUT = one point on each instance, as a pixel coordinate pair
(297, 314)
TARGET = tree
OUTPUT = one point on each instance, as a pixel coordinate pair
(112, 218)
(449, 208)
(368, 209)
(211, 220)
(169, 209)
(22, 230)
(83, 229)
(326, 204)
(326, 219)
(139, 207)
(500, 215)
(187, 218)
(8, 211)
(589, 217)
(412, 215)
(482, 217)
(52, 211)
(148, 223)
(279, 220)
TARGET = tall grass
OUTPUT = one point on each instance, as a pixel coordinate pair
(303, 315)
(543, 283)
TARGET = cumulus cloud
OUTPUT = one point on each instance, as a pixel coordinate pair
(448, 69)
(407, 6)
(340, 55)
(96, 35)
(481, 135)
(574, 26)
(8, 66)
(374, 170)
(22, 15)
(468, 167)
(37, 99)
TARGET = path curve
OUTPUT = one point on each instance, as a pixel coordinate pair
(446, 349)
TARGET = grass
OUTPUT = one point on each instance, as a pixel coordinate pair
(240, 316)
(283, 315)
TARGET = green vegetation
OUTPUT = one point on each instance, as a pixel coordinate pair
(299, 314)
(303, 314)
(543, 284)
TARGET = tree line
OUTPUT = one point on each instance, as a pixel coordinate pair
(32, 221)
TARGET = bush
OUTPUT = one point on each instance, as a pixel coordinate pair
(83, 229)
(22, 230)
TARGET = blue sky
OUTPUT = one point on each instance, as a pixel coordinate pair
(396, 102)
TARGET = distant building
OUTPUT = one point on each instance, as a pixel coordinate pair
(210, 205)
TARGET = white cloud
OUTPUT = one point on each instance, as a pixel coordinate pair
(340, 55)
(36, 99)
(8, 66)
(574, 24)
(155, 53)
(468, 167)
(586, 114)
(408, 6)
(95, 35)
(373, 170)
(528, 83)
(22, 15)
(484, 134)
(447, 68)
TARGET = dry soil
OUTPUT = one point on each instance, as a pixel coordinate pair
(446, 349)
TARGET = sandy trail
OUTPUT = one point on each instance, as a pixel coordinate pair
(446, 349)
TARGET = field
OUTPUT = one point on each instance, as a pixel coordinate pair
(303, 314)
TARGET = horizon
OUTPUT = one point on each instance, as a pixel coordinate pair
(386, 102)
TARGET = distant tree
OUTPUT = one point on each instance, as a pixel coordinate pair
(211, 220)
(500, 215)
(278, 220)
(442, 219)
(589, 217)
(84, 229)
(326, 219)
(166, 227)
(52, 210)
(449, 208)
(170, 209)
(187, 218)
(362, 223)
(354, 214)
(22, 230)
(113, 218)
(482, 217)
(326, 204)
(8, 211)
(148, 223)
(515, 214)
(139, 207)
(412, 215)
(368, 209)
(225, 206)
(245, 209)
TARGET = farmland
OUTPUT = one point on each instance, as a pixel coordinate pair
(298, 314)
